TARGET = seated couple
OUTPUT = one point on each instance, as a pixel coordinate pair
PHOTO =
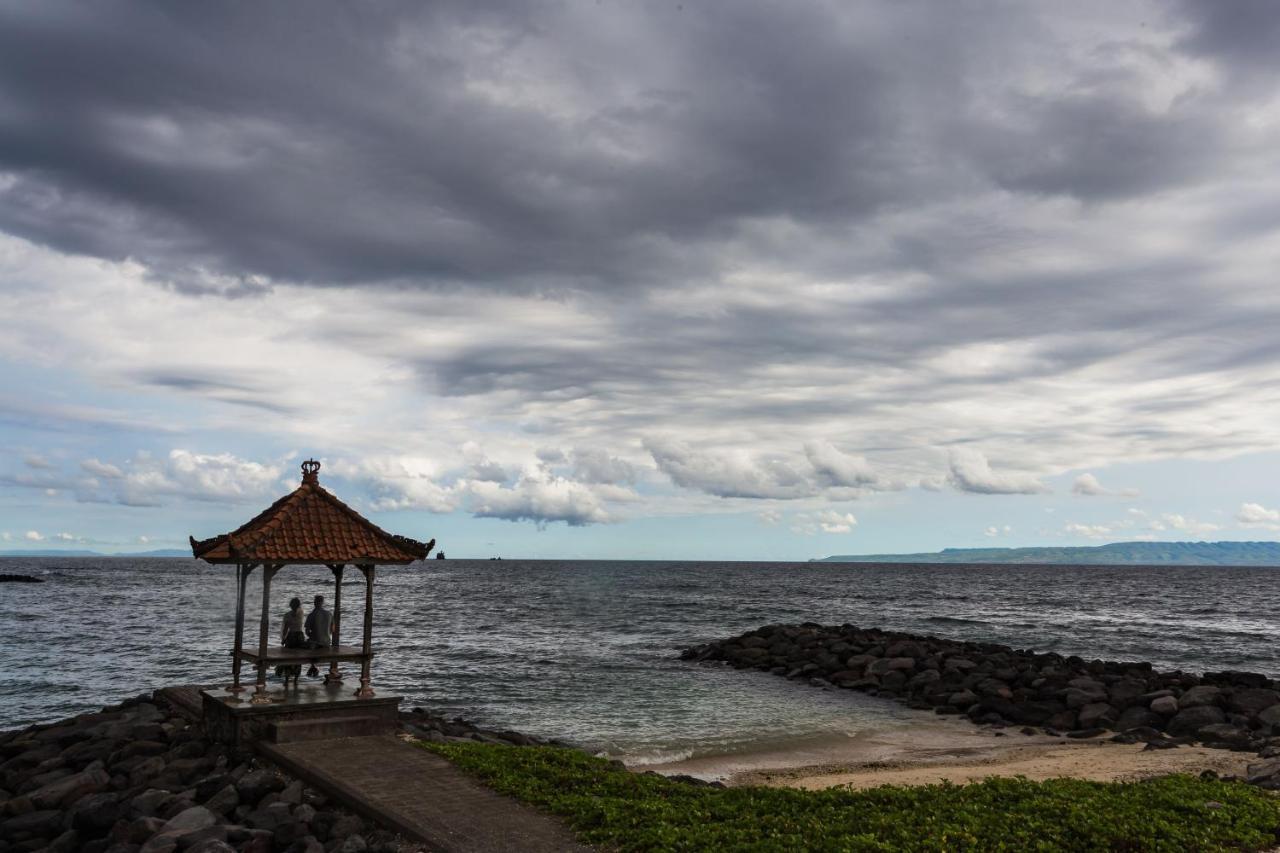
(315, 633)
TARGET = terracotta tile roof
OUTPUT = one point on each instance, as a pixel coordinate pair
(310, 525)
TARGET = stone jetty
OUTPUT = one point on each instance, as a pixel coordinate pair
(1002, 686)
(141, 777)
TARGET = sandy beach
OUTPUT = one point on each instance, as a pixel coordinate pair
(936, 750)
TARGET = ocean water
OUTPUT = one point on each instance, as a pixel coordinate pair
(586, 651)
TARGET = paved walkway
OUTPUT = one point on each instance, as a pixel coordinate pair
(420, 795)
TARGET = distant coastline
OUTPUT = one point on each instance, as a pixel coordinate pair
(1114, 554)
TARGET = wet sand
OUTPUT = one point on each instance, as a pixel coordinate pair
(949, 750)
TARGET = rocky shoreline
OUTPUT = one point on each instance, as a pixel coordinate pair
(141, 777)
(1001, 686)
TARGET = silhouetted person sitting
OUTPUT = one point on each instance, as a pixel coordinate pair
(292, 637)
(319, 630)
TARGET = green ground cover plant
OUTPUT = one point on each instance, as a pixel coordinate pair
(620, 810)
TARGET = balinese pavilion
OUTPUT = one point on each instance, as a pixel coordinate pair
(308, 526)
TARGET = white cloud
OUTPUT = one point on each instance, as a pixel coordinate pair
(6, 536)
(540, 499)
(534, 493)
(35, 460)
(1257, 515)
(146, 480)
(970, 472)
(1181, 523)
(66, 537)
(144, 540)
(102, 469)
(1089, 531)
(839, 469)
(401, 482)
(595, 465)
(34, 536)
(769, 516)
(995, 530)
(728, 474)
(825, 521)
(1087, 485)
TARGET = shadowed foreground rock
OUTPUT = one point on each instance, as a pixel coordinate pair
(140, 778)
(998, 685)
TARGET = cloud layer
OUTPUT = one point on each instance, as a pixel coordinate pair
(575, 262)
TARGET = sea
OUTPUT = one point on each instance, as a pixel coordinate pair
(587, 651)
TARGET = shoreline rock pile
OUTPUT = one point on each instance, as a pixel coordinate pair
(1001, 686)
(435, 728)
(139, 777)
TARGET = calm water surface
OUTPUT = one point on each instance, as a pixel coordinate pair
(586, 650)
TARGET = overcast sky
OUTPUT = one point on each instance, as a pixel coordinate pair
(664, 279)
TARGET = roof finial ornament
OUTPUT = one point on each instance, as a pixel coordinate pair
(310, 472)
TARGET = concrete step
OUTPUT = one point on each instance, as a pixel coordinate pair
(325, 728)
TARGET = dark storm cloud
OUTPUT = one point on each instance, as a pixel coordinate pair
(529, 143)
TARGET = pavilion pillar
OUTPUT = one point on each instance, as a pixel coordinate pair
(243, 571)
(334, 676)
(365, 690)
(264, 628)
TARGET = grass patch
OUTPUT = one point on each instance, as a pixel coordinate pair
(620, 810)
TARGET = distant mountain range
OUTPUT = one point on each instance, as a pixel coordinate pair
(55, 552)
(1115, 554)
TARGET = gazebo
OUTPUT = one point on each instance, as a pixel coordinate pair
(308, 526)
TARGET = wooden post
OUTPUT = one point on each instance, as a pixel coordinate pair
(243, 571)
(334, 676)
(260, 690)
(365, 690)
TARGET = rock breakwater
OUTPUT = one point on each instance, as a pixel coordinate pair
(1002, 686)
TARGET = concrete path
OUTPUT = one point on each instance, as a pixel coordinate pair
(419, 795)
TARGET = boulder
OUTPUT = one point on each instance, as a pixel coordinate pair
(1097, 715)
(1200, 696)
(142, 829)
(150, 802)
(292, 793)
(905, 649)
(1125, 692)
(146, 770)
(883, 665)
(95, 813)
(893, 680)
(67, 842)
(958, 664)
(1076, 697)
(347, 824)
(1224, 734)
(1270, 716)
(924, 678)
(1138, 717)
(67, 790)
(1252, 700)
(353, 844)
(962, 699)
(256, 784)
(44, 823)
(1193, 719)
(270, 818)
(1165, 706)
(1266, 771)
(212, 845)
(225, 801)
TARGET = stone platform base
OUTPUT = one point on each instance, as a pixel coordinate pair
(308, 713)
